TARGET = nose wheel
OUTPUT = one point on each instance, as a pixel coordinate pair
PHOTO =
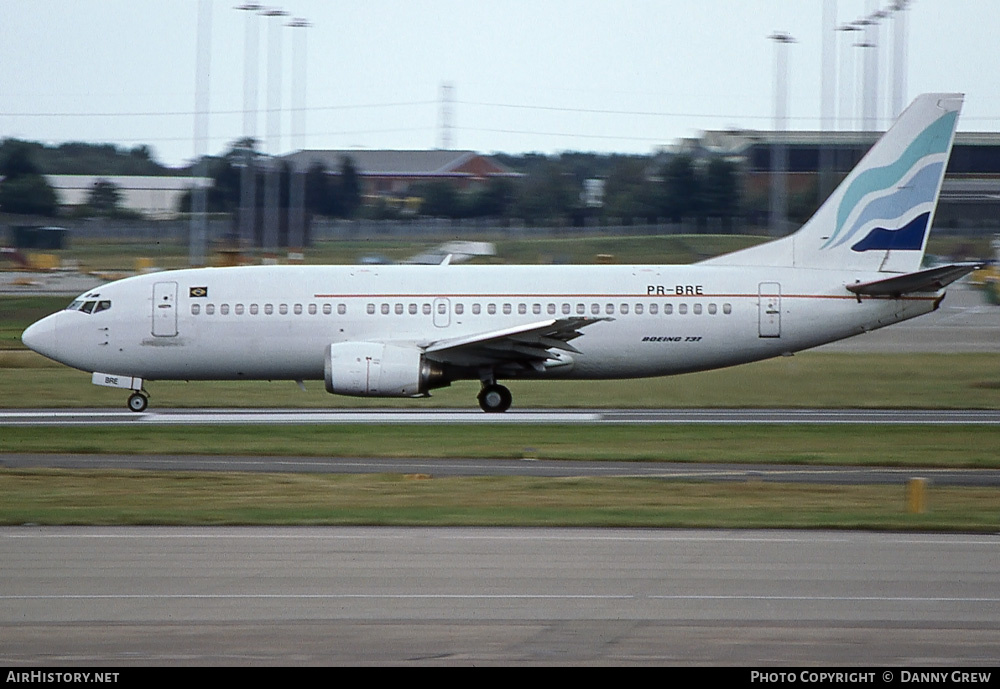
(137, 402)
(494, 398)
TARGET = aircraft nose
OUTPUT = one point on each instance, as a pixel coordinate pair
(42, 337)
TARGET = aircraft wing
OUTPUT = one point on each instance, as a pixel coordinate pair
(527, 345)
(930, 280)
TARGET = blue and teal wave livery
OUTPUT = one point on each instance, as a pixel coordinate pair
(933, 140)
(910, 237)
(919, 190)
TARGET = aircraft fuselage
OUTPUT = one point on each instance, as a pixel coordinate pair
(275, 322)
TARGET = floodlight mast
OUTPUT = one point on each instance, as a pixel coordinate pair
(779, 152)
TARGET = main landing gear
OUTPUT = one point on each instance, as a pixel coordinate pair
(137, 401)
(494, 398)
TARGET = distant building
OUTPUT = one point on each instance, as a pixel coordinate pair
(970, 195)
(395, 174)
(154, 197)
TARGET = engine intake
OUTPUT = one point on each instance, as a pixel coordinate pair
(375, 369)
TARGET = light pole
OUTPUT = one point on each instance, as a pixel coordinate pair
(899, 57)
(779, 150)
(297, 193)
(846, 117)
(198, 239)
(871, 24)
(828, 96)
(828, 85)
(866, 100)
(272, 191)
(878, 18)
(248, 174)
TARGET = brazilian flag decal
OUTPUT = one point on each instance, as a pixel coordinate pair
(198, 292)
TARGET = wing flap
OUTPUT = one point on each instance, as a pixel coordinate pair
(528, 344)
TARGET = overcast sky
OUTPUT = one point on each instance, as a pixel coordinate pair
(526, 75)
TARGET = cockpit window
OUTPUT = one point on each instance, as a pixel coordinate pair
(90, 306)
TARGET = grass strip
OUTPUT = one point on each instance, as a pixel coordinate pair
(76, 497)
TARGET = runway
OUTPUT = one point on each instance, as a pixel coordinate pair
(673, 471)
(467, 596)
(212, 416)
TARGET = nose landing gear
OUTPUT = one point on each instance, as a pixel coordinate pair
(137, 402)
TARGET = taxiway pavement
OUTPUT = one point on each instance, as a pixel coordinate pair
(473, 596)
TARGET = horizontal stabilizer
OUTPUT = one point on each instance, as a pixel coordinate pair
(930, 280)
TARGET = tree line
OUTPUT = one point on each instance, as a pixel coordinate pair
(565, 189)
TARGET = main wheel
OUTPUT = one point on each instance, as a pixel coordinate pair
(137, 402)
(495, 398)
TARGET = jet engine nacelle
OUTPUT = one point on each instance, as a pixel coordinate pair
(375, 369)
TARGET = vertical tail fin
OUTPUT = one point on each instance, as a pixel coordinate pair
(879, 218)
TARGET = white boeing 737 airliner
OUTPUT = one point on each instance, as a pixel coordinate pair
(401, 331)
